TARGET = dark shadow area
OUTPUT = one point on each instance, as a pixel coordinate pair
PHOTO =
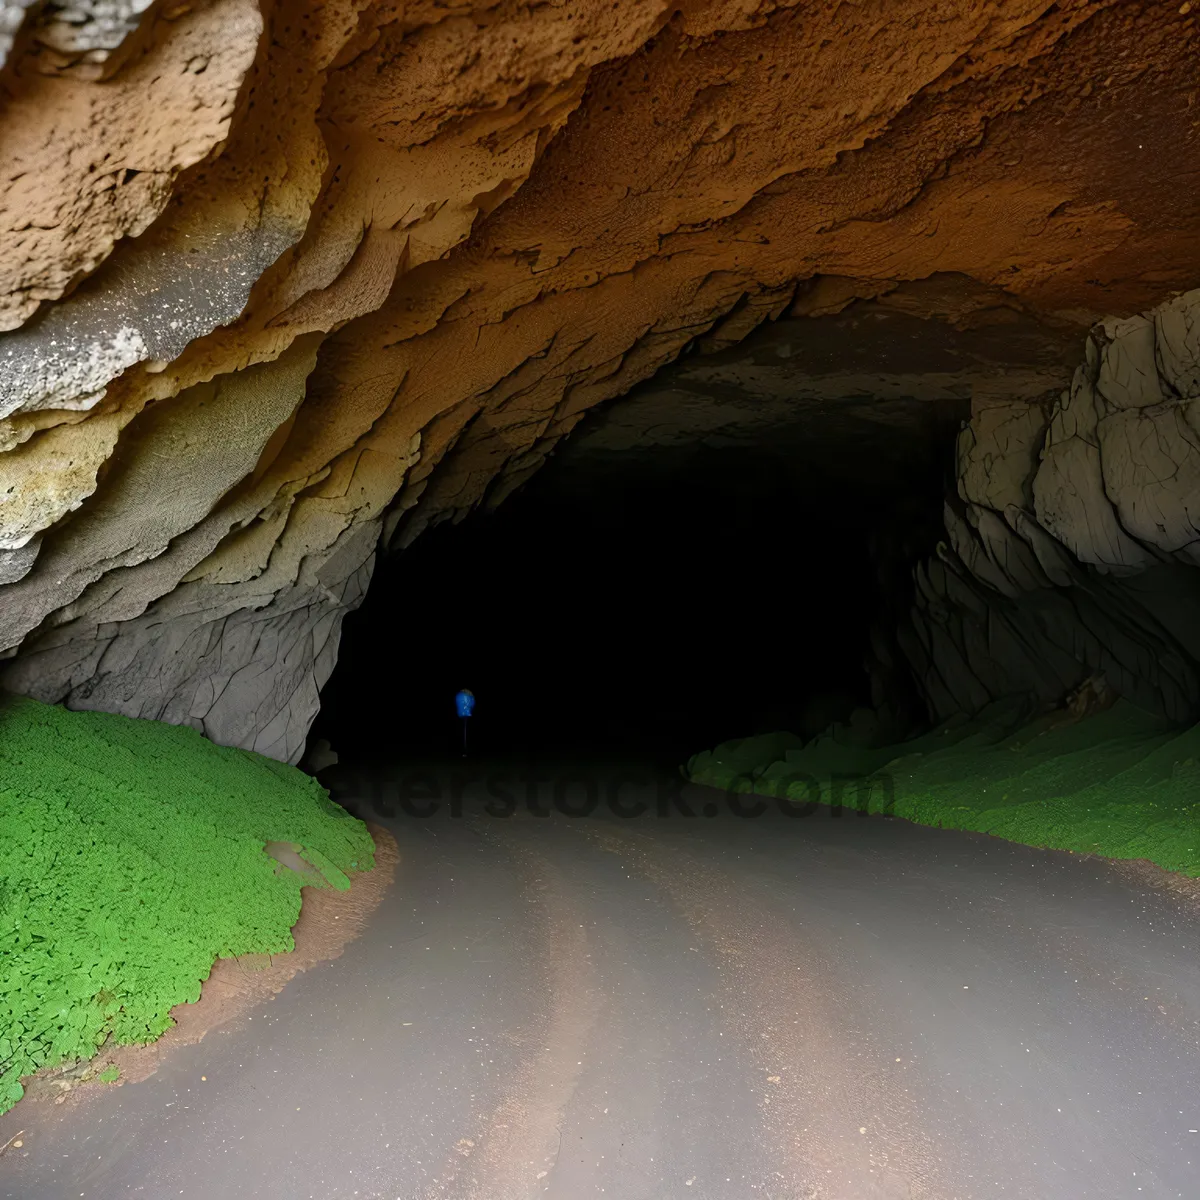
(706, 557)
(651, 601)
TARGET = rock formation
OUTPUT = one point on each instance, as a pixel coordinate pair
(283, 283)
(1075, 535)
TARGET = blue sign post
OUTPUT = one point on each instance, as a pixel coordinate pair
(464, 704)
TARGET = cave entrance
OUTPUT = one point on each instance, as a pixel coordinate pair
(704, 558)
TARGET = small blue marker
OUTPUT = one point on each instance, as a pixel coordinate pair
(464, 704)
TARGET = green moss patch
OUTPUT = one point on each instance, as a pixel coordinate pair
(1119, 783)
(131, 858)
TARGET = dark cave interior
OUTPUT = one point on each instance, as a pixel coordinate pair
(692, 564)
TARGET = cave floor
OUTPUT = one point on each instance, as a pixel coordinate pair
(700, 1007)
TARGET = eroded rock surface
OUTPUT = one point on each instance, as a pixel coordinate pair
(282, 282)
(1074, 538)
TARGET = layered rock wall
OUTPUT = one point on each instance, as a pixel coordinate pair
(281, 281)
(1075, 536)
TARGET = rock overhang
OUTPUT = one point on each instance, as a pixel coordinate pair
(399, 256)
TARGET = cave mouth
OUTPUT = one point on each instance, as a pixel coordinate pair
(710, 556)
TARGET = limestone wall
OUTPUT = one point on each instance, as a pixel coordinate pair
(1074, 540)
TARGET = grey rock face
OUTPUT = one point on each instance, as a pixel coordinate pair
(241, 663)
(91, 27)
(979, 631)
(16, 564)
(1120, 472)
(12, 15)
(1073, 547)
(150, 309)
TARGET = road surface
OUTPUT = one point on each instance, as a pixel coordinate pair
(672, 1007)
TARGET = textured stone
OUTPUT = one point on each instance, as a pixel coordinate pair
(12, 14)
(1115, 487)
(93, 28)
(207, 439)
(1120, 474)
(968, 644)
(998, 453)
(244, 664)
(87, 163)
(1068, 488)
(481, 221)
(16, 564)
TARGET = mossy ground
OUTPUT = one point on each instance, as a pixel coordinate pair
(1119, 783)
(131, 858)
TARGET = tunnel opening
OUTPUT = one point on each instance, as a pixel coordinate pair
(651, 608)
(721, 552)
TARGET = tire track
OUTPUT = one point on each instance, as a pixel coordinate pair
(839, 1109)
(510, 1152)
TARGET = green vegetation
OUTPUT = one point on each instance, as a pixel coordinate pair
(1119, 783)
(110, 1074)
(131, 858)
